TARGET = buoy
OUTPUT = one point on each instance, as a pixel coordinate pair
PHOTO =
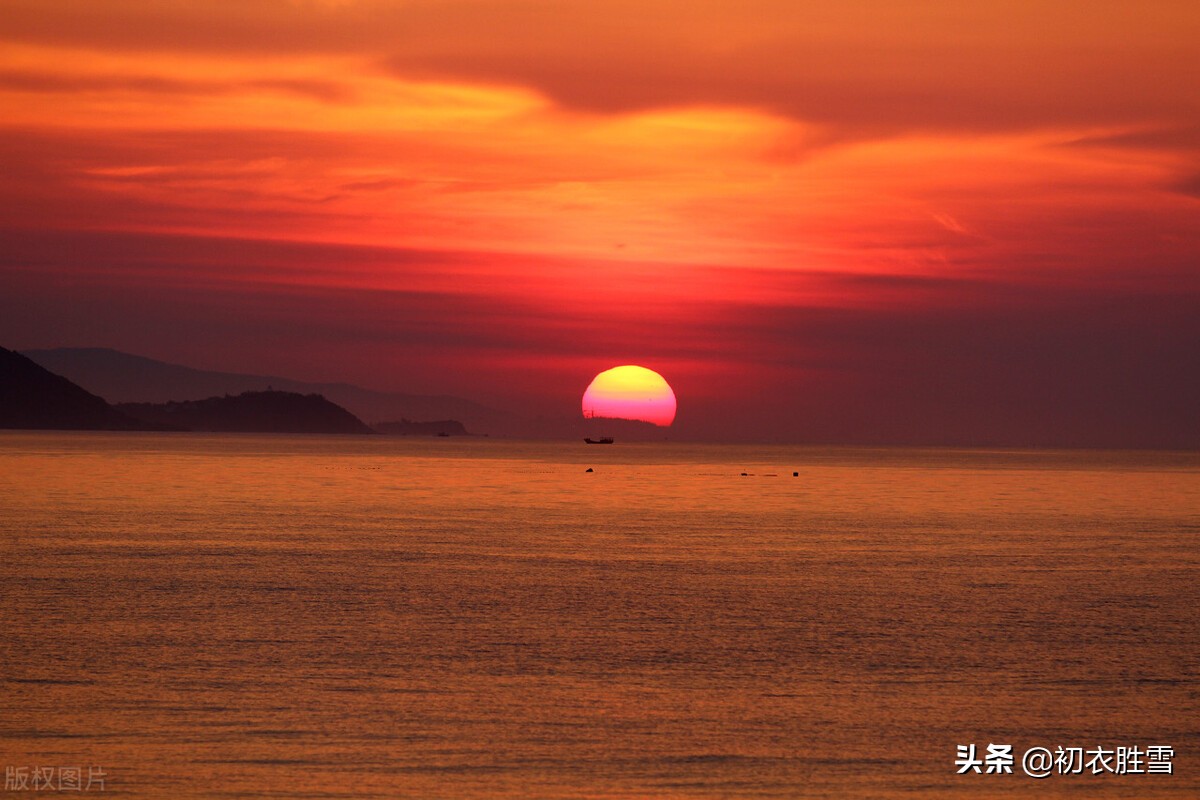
(589, 469)
(795, 474)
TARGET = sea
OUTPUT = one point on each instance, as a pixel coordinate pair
(212, 615)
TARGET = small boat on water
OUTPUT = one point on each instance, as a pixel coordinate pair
(590, 414)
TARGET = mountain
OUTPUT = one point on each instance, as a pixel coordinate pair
(251, 412)
(33, 397)
(124, 378)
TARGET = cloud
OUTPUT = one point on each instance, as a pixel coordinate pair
(1189, 186)
(1182, 138)
(864, 68)
(65, 83)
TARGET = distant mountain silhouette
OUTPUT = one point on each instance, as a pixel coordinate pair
(124, 378)
(33, 397)
(251, 412)
(404, 427)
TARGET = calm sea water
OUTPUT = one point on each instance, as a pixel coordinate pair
(242, 616)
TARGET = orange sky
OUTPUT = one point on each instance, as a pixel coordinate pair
(858, 220)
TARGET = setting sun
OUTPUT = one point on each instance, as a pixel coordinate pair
(630, 392)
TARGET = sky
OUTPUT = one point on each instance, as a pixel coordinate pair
(863, 222)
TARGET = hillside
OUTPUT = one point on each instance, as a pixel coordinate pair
(124, 378)
(33, 397)
(251, 412)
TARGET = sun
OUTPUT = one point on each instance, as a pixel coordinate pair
(630, 392)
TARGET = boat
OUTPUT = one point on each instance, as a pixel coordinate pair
(601, 440)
